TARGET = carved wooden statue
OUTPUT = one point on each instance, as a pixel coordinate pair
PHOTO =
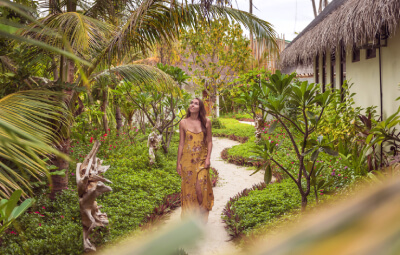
(153, 142)
(91, 185)
(258, 122)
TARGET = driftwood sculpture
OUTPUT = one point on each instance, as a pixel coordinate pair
(258, 123)
(91, 185)
(153, 142)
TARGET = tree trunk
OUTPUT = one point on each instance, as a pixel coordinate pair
(165, 148)
(80, 109)
(55, 69)
(58, 182)
(316, 194)
(118, 118)
(130, 118)
(303, 202)
(70, 71)
(103, 109)
(314, 8)
(326, 3)
(71, 5)
(251, 34)
(320, 6)
(170, 134)
(142, 124)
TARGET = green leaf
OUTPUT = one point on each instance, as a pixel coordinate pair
(21, 208)
(307, 152)
(320, 138)
(258, 170)
(320, 184)
(272, 127)
(44, 46)
(59, 172)
(12, 202)
(268, 174)
(314, 156)
(330, 151)
(52, 167)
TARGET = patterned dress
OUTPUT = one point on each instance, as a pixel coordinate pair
(192, 161)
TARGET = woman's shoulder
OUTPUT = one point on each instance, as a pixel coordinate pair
(182, 123)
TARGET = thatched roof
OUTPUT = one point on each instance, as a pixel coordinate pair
(342, 21)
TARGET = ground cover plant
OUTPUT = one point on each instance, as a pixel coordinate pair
(54, 227)
(238, 116)
(262, 203)
(293, 217)
(234, 130)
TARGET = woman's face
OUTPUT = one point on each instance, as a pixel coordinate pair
(194, 106)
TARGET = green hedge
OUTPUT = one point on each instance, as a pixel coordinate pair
(263, 205)
(252, 209)
(54, 227)
(238, 116)
(234, 127)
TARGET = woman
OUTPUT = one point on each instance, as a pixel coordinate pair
(193, 163)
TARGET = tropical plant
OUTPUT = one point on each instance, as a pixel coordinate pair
(342, 118)
(247, 94)
(9, 211)
(385, 133)
(176, 73)
(103, 35)
(29, 126)
(215, 53)
(277, 94)
(160, 104)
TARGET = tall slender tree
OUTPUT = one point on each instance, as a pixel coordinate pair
(322, 5)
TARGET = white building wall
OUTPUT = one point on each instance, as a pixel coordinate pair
(364, 75)
(391, 74)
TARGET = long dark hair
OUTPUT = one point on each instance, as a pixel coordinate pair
(202, 118)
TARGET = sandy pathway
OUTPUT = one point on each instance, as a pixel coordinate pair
(233, 179)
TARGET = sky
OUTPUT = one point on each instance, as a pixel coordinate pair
(287, 16)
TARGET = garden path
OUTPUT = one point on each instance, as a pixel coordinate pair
(232, 180)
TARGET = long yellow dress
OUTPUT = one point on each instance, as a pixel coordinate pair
(192, 161)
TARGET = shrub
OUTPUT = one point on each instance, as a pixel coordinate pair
(54, 227)
(336, 173)
(216, 123)
(234, 128)
(262, 203)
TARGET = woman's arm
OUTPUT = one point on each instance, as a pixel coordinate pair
(180, 148)
(209, 144)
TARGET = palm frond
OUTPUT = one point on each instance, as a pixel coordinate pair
(24, 11)
(137, 74)
(28, 125)
(84, 34)
(161, 20)
(106, 9)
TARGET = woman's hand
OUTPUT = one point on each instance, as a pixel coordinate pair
(207, 163)
(179, 169)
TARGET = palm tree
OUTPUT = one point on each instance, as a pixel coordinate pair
(104, 36)
(29, 126)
